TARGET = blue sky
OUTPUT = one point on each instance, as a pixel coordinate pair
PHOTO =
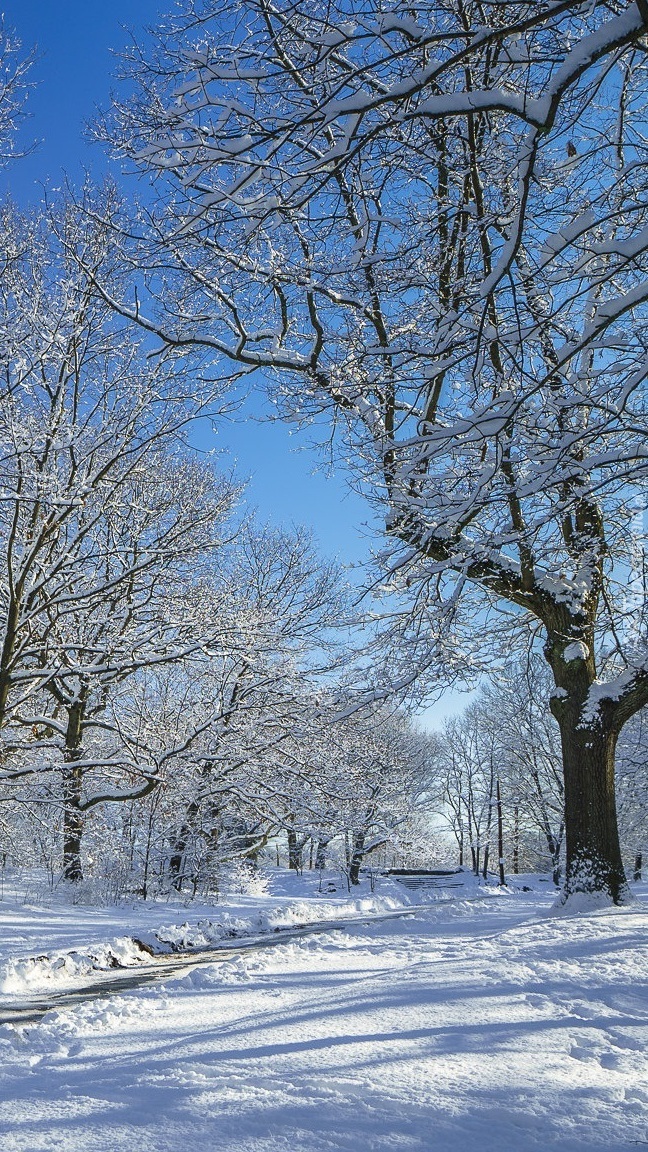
(77, 44)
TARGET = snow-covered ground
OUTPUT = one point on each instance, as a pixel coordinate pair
(48, 944)
(484, 1022)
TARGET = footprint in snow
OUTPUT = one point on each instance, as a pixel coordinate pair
(609, 1060)
(583, 1011)
(631, 1043)
(583, 1050)
(535, 1000)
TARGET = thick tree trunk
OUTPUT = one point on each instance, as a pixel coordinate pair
(295, 861)
(176, 860)
(588, 738)
(320, 855)
(179, 847)
(593, 853)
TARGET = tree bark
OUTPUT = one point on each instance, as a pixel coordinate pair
(500, 835)
(320, 855)
(356, 857)
(295, 859)
(72, 788)
(593, 852)
(72, 822)
(588, 736)
(180, 842)
(554, 844)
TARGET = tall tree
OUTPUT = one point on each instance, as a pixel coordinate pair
(432, 224)
(101, 508)
(528, 749)
(275, 612)
(508, 734)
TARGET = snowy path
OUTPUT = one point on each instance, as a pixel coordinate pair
(482, 1024)
(111, 982)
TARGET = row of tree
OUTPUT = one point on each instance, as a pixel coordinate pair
(159, 645)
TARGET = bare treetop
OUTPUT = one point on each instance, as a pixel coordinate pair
(14, 68)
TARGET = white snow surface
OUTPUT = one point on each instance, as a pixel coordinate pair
(479, 1022)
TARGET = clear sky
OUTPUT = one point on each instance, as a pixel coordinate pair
(77, 43)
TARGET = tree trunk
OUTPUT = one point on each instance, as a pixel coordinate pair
(554, 843)
(72, 822)
(72, 788)
(593, 853)
(356, 857)
(175, 862)
(500, 835)
(320, 855)
(294, 851)
(179, 846)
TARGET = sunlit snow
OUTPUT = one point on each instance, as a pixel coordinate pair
(479, 1022)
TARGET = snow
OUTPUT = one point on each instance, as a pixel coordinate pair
(213, 931)
(575, 651)
(49, 949)
(479, 1022)
(609, 690)
(61, 969)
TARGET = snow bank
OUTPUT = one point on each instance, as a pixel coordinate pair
(271, 919)
(40, 973)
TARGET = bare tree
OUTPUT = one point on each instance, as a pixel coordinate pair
(528, 748)
(14, 69)
(432, 224)
(369, 781)
(274, 614)
(102, 510)
(469, 758)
